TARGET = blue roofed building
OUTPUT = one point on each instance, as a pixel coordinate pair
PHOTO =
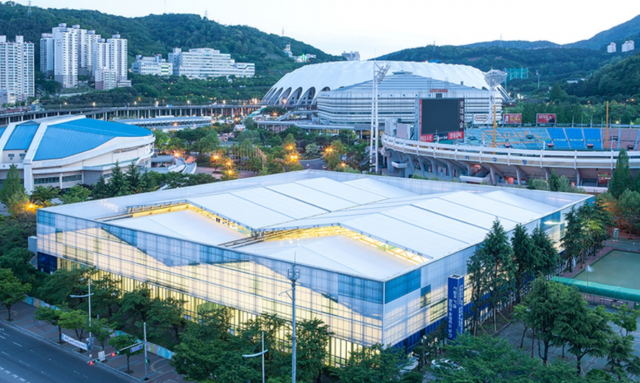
(71, 150)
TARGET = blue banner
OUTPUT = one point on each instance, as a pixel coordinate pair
(455, 307)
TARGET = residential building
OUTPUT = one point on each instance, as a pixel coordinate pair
(628, 46)
(351, 56)
(118, 48)
(203, 63)
(612, 48)
(106, 79)
(16, 69)
(65, 51)
(47, 56)
(152, 65)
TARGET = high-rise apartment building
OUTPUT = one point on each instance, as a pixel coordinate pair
(16, 69)
(206, 62)
(628, 46)
(68, 52)
(155, 65)
(351, 56)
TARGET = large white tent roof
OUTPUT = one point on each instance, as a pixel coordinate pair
(334, 75)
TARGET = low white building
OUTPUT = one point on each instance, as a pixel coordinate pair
(202, 63)
(612, 48)
(152, 65)
(628, 46)
(351, 56)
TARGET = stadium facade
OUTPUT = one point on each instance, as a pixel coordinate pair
(374, 253)
(71, 150)
(586, 156)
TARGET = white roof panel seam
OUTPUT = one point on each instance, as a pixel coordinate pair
(332, 195)
(424, 228)
(299, 200)
(478, 210)
(452, 217)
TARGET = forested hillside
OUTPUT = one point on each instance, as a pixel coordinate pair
(619, 32)
(619, 80)
(161, 33)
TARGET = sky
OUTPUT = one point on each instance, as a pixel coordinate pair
(376, 27)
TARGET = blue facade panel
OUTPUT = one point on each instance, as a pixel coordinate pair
(21, 137)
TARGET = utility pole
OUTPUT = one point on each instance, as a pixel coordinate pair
(293, 276)
(144, 329)
(378, 75)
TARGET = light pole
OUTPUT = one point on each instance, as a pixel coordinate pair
(293, 275)
(87, 296)
(259, 354)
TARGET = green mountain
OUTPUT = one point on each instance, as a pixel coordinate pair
(620, 79)
(516, 44)
(617, 33)
(554, 64)
(161, 33)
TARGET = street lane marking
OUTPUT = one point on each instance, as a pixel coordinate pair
(26, 364)
(17, 344)
(5, 353)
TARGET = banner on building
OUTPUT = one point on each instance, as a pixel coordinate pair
(455, 307)
(512, 118)
(546, 118)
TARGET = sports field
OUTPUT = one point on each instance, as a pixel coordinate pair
(617, 268)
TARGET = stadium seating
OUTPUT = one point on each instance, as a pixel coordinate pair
(559, 138)
(576, 138)
(628, 138)
(593, 136)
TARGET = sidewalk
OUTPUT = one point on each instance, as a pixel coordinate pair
(159, 370)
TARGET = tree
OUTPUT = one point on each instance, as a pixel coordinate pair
(313, 339)
(121, 341)
(75, 320)
(161, 138)
(17, 260)
(526, 257)
(51, 316)
(554, 181)
(620, 357)
(12, 290)
(133, 179)
(61, 284)
(375, 364)
(312, 149)
(572, 239)
(118, 185)
(477, 267)
(587, 331)
(100, 189)
(75, 194)
(548, 258)
(99, 328)
(106, 296)
(498, 258)
(167, 315)
(134, 305)
(12, 186)
(630, 207)
(42, 195)
(621, 177)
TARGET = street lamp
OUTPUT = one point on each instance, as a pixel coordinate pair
(259, 354)
(88, 295)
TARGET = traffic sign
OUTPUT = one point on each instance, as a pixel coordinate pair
(136, 348)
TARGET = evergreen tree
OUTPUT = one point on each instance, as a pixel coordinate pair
(554, 181)
(621, 178)
(498, 256)
(118, 185)
(479, 282)
(100, 189)
(526, 257)
(572, 239)
(133, 179)
(548, 258)
(12, 186)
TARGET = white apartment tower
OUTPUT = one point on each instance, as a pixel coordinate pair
(68, 52)
(628, 46)
(16, 69)
(612, 48)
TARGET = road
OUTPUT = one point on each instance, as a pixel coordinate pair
(24, 359)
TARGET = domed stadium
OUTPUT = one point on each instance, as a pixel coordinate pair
(302, 86)
(71, 150)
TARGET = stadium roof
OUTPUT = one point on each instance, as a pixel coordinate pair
(310, 80)
(358, 217)
(69, 137)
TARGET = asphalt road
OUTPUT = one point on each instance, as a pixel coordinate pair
(25, 359)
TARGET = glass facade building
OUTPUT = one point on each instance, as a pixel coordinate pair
(374, 271)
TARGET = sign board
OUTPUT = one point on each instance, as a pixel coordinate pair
(546, 118)
(455, 135)
(101, 356)
(512, 118)
(440, 116)
(136, 348)
(481, 119)
(74, 342)
(455, 307)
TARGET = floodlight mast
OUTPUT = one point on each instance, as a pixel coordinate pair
(378, 75)
(494, 78)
